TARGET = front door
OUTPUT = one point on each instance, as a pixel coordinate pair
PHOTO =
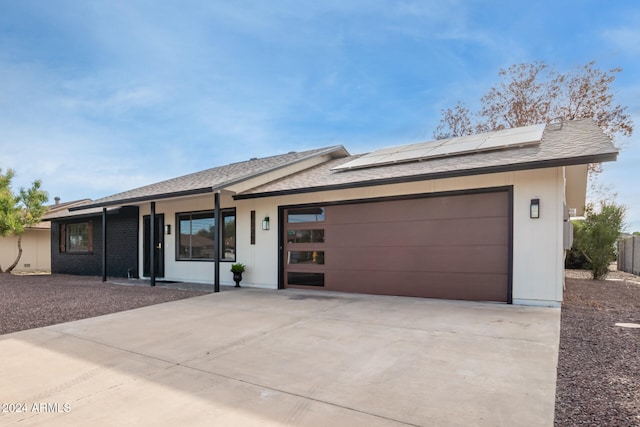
(158, 245)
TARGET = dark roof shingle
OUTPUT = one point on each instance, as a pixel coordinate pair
(213, 179)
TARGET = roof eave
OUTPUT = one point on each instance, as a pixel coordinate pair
(133, 200)
(539, 164)
(81, 215)
(330, 150)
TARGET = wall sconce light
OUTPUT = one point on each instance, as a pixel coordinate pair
(265, 223)
(167, 229)
(534, 209)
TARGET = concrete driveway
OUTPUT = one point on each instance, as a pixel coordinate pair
(253, 357)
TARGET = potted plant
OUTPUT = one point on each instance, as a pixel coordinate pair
(237, 270)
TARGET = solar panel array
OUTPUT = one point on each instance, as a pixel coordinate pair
(490, 141)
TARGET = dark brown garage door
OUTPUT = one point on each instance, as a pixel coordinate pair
(453, 247)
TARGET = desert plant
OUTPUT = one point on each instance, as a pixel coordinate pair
(575, 259)
(19, 211)
(595, 238)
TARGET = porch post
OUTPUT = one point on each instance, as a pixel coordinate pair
(152, 244)
(216, 242)
(104, 244)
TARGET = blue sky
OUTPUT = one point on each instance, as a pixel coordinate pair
(103, 96)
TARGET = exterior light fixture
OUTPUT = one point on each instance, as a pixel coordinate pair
(167, 229)
(265, 223)
(534, 209)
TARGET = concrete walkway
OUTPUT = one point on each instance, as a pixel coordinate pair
(254, 357)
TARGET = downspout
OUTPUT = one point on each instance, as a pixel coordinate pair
(152, 244)
(104, 244)
(216, 242)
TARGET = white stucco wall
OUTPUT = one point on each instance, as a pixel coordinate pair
(537, 245)
(538, 265)
(184, 271)
(36, 250)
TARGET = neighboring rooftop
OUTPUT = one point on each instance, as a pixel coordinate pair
(59, 205)
(60, 209)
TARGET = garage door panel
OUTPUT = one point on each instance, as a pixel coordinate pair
(463, 231)
(454, 247)
(445, 207)
(466, 259)
(473, 287)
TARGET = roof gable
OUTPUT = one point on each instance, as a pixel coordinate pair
(214, 179)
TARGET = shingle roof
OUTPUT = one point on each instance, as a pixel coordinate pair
(78, 211)
(568, 143)
(66, 205)
(60, 210)
(213, 179)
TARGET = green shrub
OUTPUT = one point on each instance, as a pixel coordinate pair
(595, 237)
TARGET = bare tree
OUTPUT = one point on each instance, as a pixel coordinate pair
(454, 122)
(524, 97)
(586, 92)
(534, 93)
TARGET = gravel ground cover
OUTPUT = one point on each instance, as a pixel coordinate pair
(598, 380)
(32, 301)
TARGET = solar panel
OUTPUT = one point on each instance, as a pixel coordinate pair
(468, 146)
(509, 137)
(490, 141)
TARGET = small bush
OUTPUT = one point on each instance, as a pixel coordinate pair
(576, 260)
(596, 236)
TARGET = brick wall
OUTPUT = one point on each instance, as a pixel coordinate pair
(122, 246)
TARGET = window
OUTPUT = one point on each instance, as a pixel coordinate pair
(305, 215)
(253, 228)
(196, 236)
(304, 246)
(305, 236)
(307, 279)
(228, 235)
(305, 257)
(76, 238)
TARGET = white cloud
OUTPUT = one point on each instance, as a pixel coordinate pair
(624, 39)
(104, 96)
(107, 101)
